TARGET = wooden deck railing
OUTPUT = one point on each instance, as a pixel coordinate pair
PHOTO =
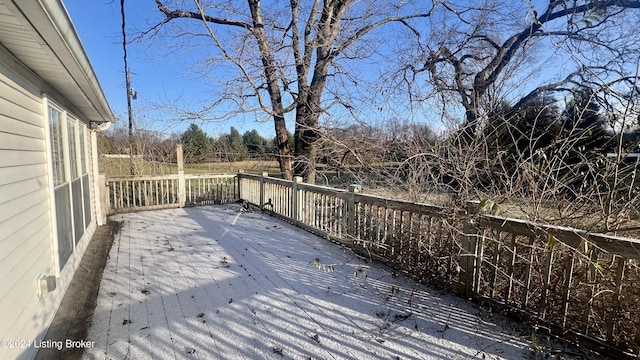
(580, 285)
(136, 193)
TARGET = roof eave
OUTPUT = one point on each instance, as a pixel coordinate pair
(52, 28)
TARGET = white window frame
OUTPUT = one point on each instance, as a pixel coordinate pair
(66, 120)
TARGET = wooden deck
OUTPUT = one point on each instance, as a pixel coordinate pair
(218, 283)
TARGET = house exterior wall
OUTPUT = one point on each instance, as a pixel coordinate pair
(28, 230)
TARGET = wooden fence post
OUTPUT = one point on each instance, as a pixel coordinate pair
(182, 192)
(264, 175)
(239, 183)
(470, 260)
(295, 200)
(351, 209)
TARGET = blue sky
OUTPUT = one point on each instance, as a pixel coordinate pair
(156, 81)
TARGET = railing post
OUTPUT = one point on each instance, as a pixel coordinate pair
(295, 200)
(264, 175)
(351, 209)
(470, 260)
(182, 192)
(102, 197)
(239, 183)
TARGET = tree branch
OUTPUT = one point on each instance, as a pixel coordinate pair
(181, 14)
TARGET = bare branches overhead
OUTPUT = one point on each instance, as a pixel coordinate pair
(483, 40)
(282, 55)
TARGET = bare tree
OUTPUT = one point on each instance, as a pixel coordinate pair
(284, 54)
(491, 54)
(490, 48)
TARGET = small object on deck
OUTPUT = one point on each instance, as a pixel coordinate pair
(245, 207)
(401, 317)
(269, 204)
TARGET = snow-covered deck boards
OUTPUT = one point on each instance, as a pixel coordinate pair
(216, 283)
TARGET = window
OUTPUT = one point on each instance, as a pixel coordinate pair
(70, 177)
(86, 192)
(73, 141)
(57, 148)
(83, 160)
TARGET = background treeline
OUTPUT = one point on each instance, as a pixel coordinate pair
(198, 146)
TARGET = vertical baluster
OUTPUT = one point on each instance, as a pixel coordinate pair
(121, 200)
(366, 230)
(139, 187)
(566, 291)
(401, 235)
(316, 210)
(429, 233)
(546, 280)
(323, 212)
(591, 283)
(422, 233)
(165, 192)
(495, 262)
(614, 314)
(306, 213)
(174, 190)
(411, 240)
(111, 198)
(439, 233)
(156, 184)
(512, 263)
(527, 281)
(394, 231)
(479, 261)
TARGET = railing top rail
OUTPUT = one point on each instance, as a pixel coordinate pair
(618, 245)
(167, 177)
(407, 205)
(142, 177)
(249, 176)
(209, 176)
(322, 189)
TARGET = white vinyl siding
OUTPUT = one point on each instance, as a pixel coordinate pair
(25, 232)
(31, 220)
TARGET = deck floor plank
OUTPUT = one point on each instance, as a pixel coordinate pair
(215, 283)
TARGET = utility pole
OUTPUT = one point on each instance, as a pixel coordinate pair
(128, 86)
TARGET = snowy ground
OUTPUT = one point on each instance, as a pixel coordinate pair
(215, 283)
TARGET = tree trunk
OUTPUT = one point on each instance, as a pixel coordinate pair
(306, 135)
(307, 131)
(275, 95)
(284, 149)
